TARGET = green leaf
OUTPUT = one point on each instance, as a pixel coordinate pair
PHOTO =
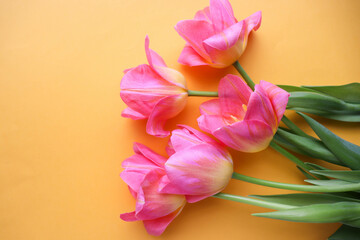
(350, 176)
(315, 166)
(306, 174)
(318, 213)
(346, 233)
(289, 88)
(303, 199)
(328, 182)
(348, 93)
(312, 147)
(346, 152)
(315, 101)
(339, 116)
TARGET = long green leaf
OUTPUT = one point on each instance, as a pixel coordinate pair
(348, 93)
(289, 88)
(345, 151)
(314, 148)
(303, 199)
(318, 213)
(316, 101)
(350, 176)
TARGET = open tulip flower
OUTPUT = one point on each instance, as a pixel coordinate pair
(243, 119)
(154, 92)
(143, 173)
(199, 167)
(214, 37)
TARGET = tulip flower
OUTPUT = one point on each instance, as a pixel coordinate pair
(143, 173)
(154, 92)
(214, 37)
(199, 166)
(243, 119)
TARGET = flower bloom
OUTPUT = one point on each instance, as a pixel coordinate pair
(198, 167)
(153, 91)
(143, 173)
(242, 119)
(214, 37)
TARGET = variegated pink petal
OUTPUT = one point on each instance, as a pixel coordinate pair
(199, 170)
(129, 217)
(278, 97)
(261, 109)
(222, 15)
(195, 32)
(253, 22)
(234, 95)
(210, 123)
(246, 136)
(149, 154)
(142, 88)
(186, 137)
(151, 204)
(130, 113)
(203, 15)
(191, 58)
(157, 226)
(153, 58)
(225, 47)
(158, 65)
(165, 109)
(211, 107)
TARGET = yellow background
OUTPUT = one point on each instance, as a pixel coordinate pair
(62, 138)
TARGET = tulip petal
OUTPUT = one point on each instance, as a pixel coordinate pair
(198, 170)
(149, 154)
(164, 109)
(142, 88)
(246, 136)
(186, 137)
(278, 97)
(210, 107)
(253, 22)
(261, 109)
(203, 15)
(250, 23)
(195, 32)
(210, 123)
(153, 58)
(157, 63)
(157, 226)
(129, 217)
(234, 93)
(195, 198)
(130, 113)
(225, 47)
(222, 15)
(151, 204)
(191, 58)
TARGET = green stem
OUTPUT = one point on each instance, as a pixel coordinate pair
(244, 75)
(291, 157)
(202, 93)
(252, 201)
(298, 187)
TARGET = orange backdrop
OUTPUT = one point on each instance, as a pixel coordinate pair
(62, 138)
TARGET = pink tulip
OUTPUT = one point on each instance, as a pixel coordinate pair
(199, 166)
(214, 37)
(154, 92)
(143, 173)
(242, 119)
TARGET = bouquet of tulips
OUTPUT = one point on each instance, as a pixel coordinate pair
(243, 116)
